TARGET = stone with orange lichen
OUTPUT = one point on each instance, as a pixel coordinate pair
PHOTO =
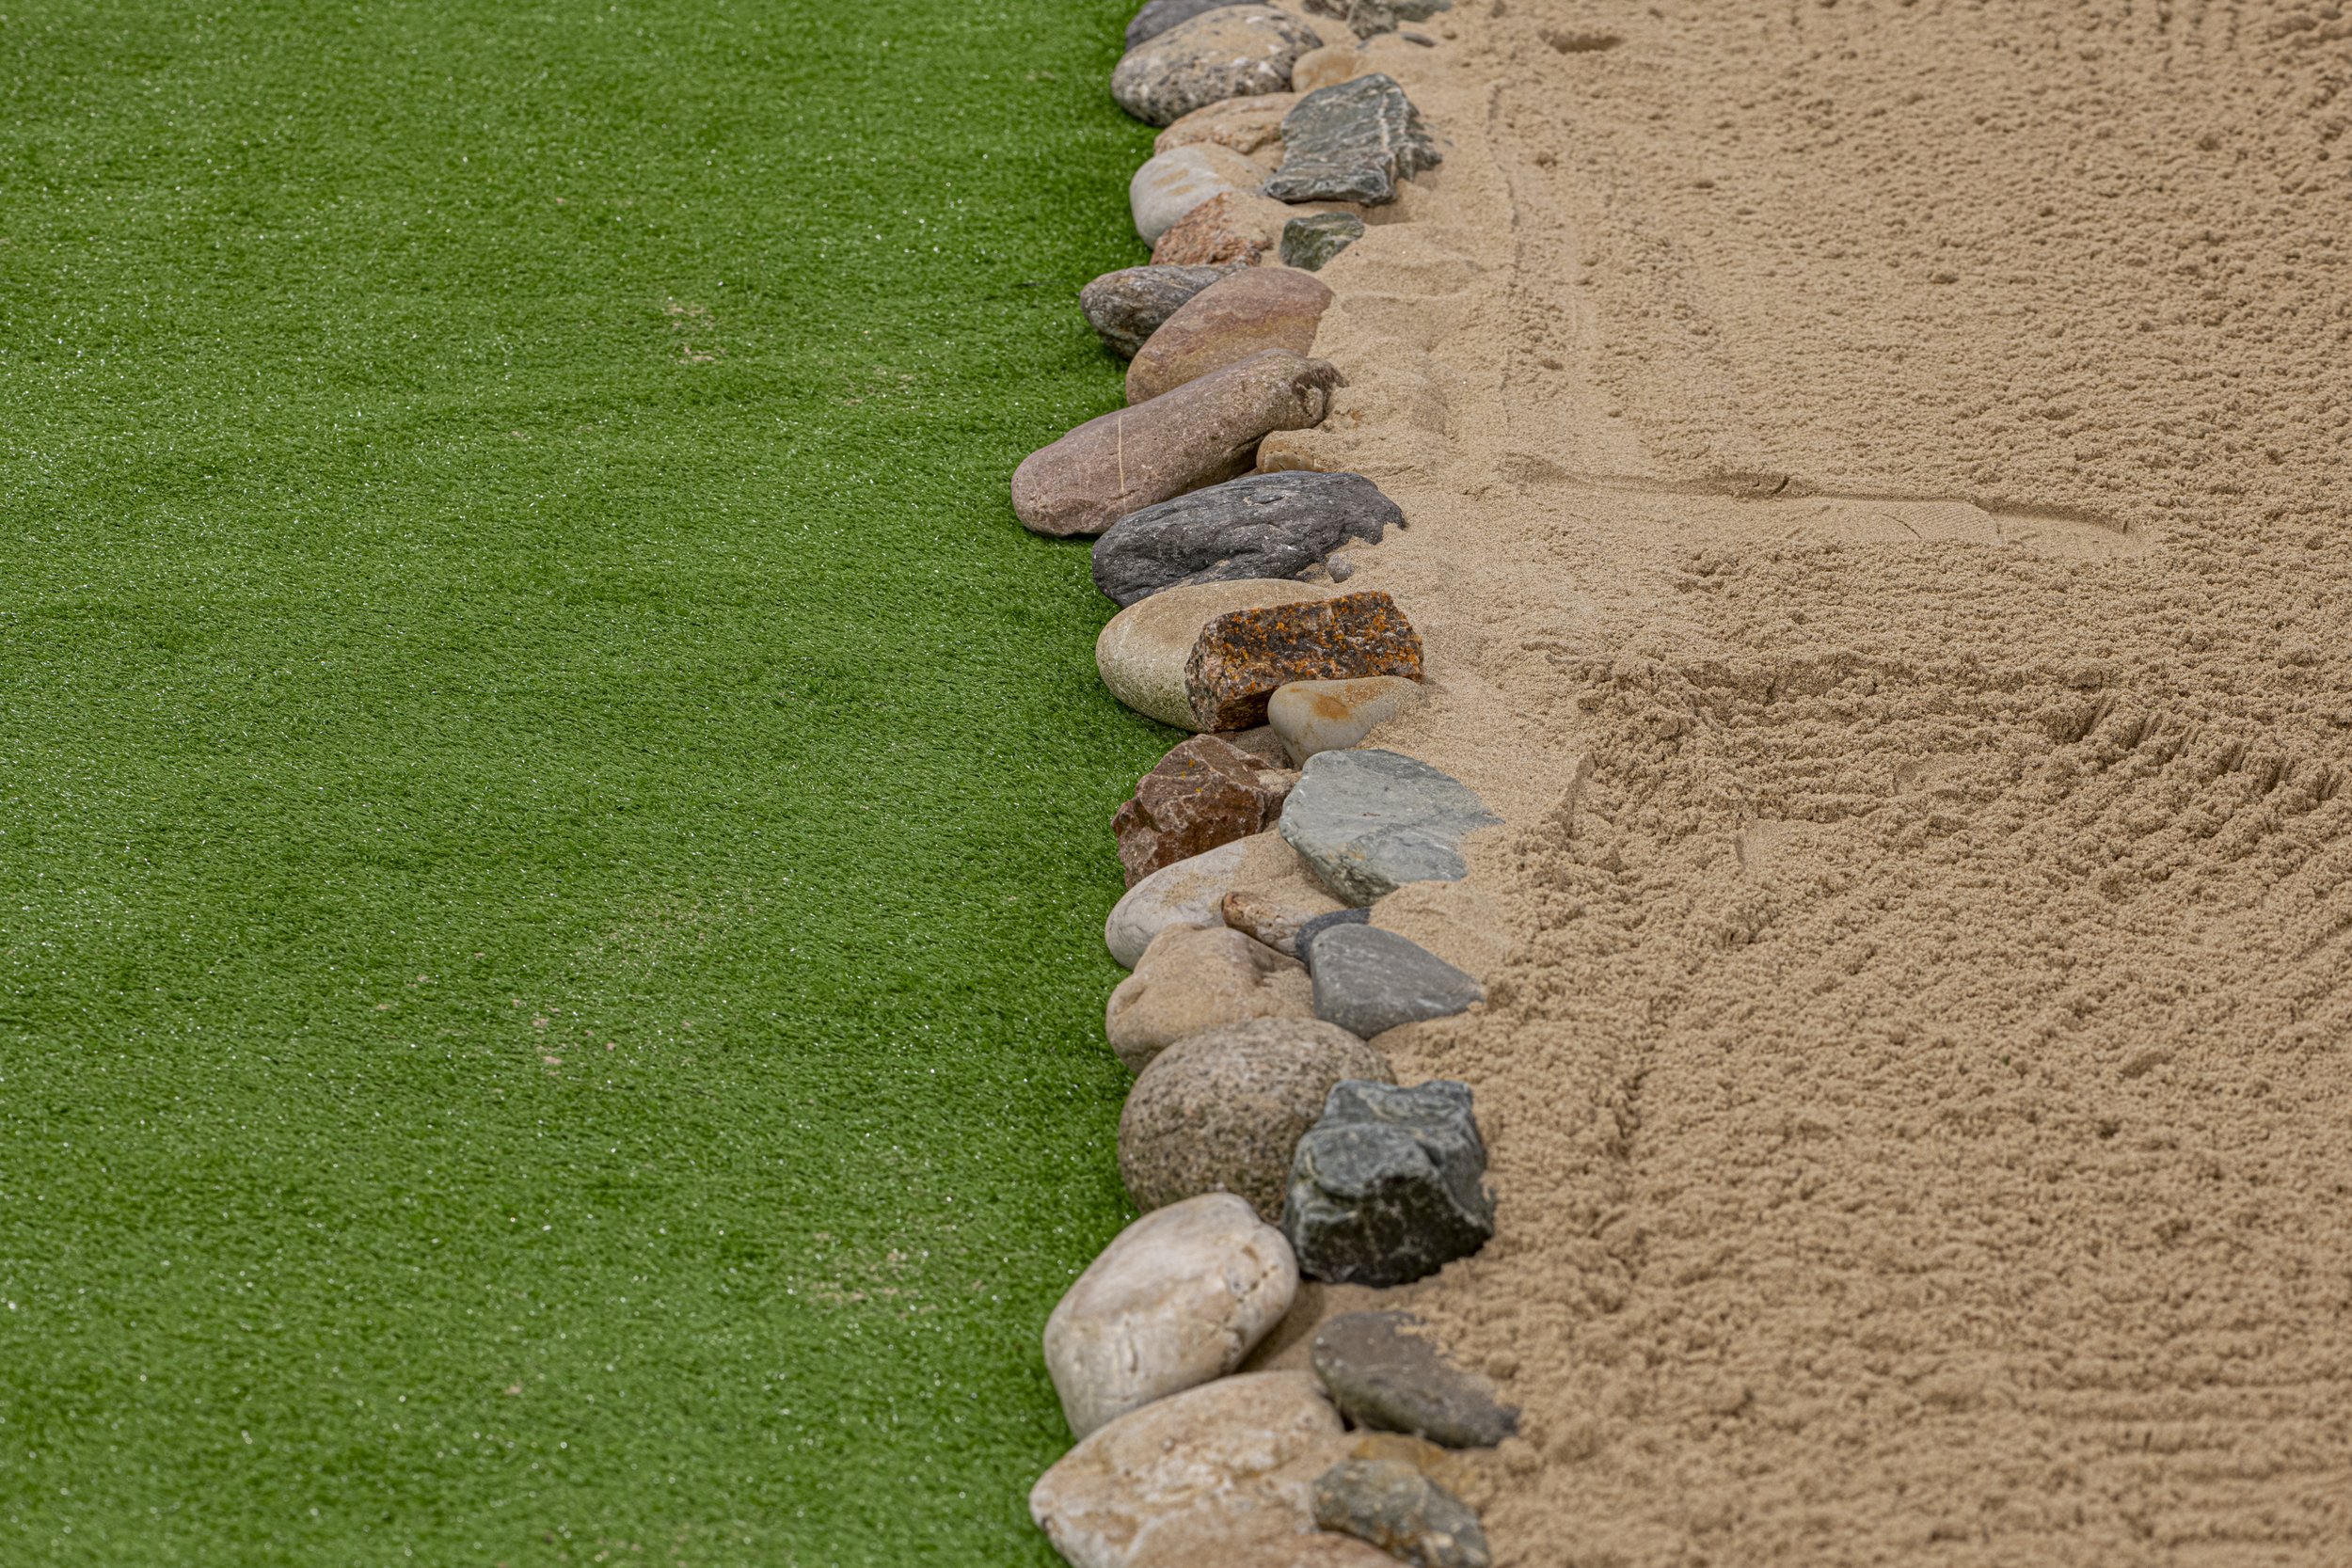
(1241, 658)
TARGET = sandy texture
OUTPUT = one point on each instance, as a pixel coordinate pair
(1878, 475)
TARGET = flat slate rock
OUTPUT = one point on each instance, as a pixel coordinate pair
(1310, 241)
(1368, 980)
(1243, 659)
(1258, 526)
(1352, 142)
(1368, 821)
(1389, 1186)
(1126, 307)
(1309, 930)
(1158, 16)
(1383, 1375)
(1225, 51)
(1401, 1510)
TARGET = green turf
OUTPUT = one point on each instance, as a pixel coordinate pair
(553, 827)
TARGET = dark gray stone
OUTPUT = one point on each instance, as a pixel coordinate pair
(1312, 928)
(1226, 52)
(1419, 10)
(1352, 141)
(1126, 307)
(1364, 18)
(1368, 821)
(1402, 1512)
(1272, 525)
(1368, 980)
(1160, 15)
(1382, 1375)
(1389, 1184)
(1310, 241)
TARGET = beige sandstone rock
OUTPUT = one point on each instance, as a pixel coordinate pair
(1328, 67)
(1172, 183)
(1331, 715)
(1244, 124)
(1238, 225)
(1252, 310)
(1210, 1478)
(1178, 1297)
(1190, 893)
(1141, 652)
(1194, 978)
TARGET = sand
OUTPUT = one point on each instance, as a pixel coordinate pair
(1878, 476)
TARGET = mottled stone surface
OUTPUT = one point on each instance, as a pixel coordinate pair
(1369, 821)
(1255, 310)
(1370, 981)
(1203, 793)
(1389, 1185)
(1244, 124)
(1243, 657)
(1227, 52)
(1195, 978)
(1158, 16)
(1126, 307)
(1304, 946)
(1178, 1297)
(1383, 1372)
(1202, 432)
(1190, 893)
(1203, 1479)
(1257, 527)
(1331, 715)
(1401, 1510)
(1142, 653)
(1279, 923)
(1170, 185)
(1312, 239)
(1364, 18)
(1232, 229)
(1352, 142)
(1223, 1111)
(1419, 10)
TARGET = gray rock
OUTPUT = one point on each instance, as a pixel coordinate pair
(1258, 526)
(1228, 52)
(1369, 821)
(1310, 241)
(1352, 142)
(1402, 1512)
(1126, 307)
(1389, 1185)
(1160, 15)
(1368, 980)
(1364, 18)
(1304, 944)
(1419, 10)
(1384, 1376)
(1223, 1111)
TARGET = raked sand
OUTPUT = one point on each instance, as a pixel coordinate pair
(1879, 481)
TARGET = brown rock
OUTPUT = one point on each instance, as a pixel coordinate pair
(1274, 921)
(1142, 651)
(1203, 433)
(1246, 313)
(1223, 1111)
(1195, 978)
(1260, 744)
(1202, 793)
(1244, 124)
(1242, 658)
(1235, 226)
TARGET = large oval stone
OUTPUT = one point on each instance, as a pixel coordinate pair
(1230, 52)
(1252, 310)
(1258, 526)
(1126, 307)
(1171, 183)
(1178, 1297)
(1369, 821)
(1215, 1477)
(1204, 432)
(1142, 652)
(1190, 893)
(1158, 16)
(1195, 978)
(1244, 124)
(1223, 1111)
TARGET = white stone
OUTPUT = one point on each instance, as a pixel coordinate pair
(1189, 893)
(1178, 1297)
(1331, 715)
(1141, 652)
(1194, 978)
(1198, 1480)
(1174, 182)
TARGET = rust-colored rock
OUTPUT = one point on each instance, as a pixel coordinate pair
(1244, 124)
(1235, 226)
(1203, 433)
(1245, 313)
(1204, 793)
(1240, 658)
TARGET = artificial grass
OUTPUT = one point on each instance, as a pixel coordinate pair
(553, 826)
